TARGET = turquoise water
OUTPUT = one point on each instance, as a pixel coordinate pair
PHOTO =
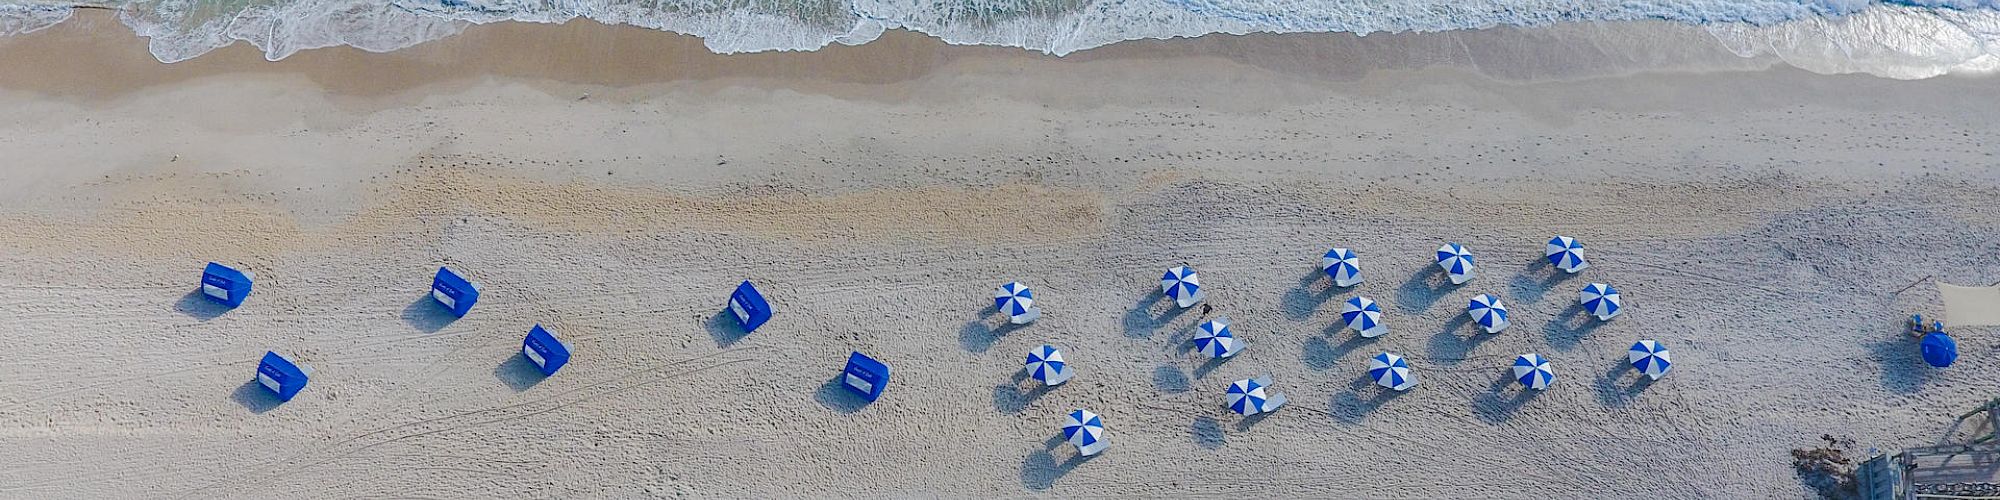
(1903, 39)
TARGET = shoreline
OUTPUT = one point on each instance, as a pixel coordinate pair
(1759, 222)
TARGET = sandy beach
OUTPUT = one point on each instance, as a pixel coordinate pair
(613, 184)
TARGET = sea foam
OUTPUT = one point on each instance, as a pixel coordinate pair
(1898, 39)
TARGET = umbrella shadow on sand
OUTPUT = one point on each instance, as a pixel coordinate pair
(1449, 347)
(1525, 289)
(1569, 327)
(1141, 321)
(1423, 289)
(197, 305)
(1359, 401)
(1319, 355)
(1903, 368)
(1012, 398)
(1041, 469)
(977, 336)
(1169, 379)
(1614, 391)
(1314, 290)
(1207, 433)
(1494, 406)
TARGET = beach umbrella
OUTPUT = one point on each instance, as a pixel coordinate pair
(1183, 285)
(1533, 371)
(1566, 254)
(1391, 371)
(1489, 312)
(1650, 358)
(1363, 315)
(1456, 262)
(1601, 300)
(1085, 430)
(1253, 396)
(1018, 302)
(1343, 266)
(1215, 339)
(1046, 364)
(1939, 349)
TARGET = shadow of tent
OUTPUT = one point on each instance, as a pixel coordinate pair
(1903, 368)
(426, 315)
(255, 397)
(198, 306)
(724, 328)
(518, 373)
(835, 395)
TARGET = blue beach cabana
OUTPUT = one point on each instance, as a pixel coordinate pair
(453, 291)
(544, 350)
(281, 375)
(225, 284)
(749, 307)
(865, 376)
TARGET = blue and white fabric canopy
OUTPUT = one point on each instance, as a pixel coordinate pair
(1253, 396)
(1939, 349)
(1391, 371)
(1183, 285)
(1532, 370)
(1364, 316)
(1046, 364)
(1650, 358)
(1566, 254)
(1216, 340)
(1489, 312)
(1085, 430)
(1600, 300)
(1343, 266)
(1456, 261)
(1018, 302)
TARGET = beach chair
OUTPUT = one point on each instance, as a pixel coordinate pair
(865, 376)
(544, 350)
(282, 376)
(749, 307)
(225, 284)
(454, 292)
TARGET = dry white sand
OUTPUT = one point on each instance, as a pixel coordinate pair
(1759, 223)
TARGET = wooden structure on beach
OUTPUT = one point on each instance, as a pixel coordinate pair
(1961, 471)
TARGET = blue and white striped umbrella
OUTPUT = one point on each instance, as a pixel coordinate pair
(1532, 370)
(1363, 315)
(1085, 430)
(1566, 254)
(1046, 364)
(1017, 301)
(1601, 300)
(1391, 371)
(1183, 285)
(1489, 312)
(1456, 261)
(1343, 266)
(1650, 358)
(1215, 339)
(1253, 396)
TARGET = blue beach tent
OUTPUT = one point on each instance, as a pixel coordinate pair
(546, 351)
(866, 376)
(281, 375)
(454, 292)
(749, 307)
(225, 284)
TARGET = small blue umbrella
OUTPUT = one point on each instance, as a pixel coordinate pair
(1253, 396)
(1183, 285)
(1600, 300)
(1085, 430)
(1018, 302)
(1532, 370)
(1215, 339)
(1391, 371)
(1940, 350)
(1046, 364)
(1343, 266)
(1650, 358)
(1566, 254)
(1456, 261)
(1363, 315)
(1489, 312)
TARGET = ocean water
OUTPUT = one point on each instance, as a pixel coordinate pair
(1898, 39)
